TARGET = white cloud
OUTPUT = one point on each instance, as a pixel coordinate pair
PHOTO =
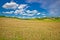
(18, 11)
(33, 11)
(28, 11)
(14, 5)
(21, 9)
(38, 13)
(25, 12)
(11, 5)
(22, 6)
(30, 15)
(10, 12)
(43, 14)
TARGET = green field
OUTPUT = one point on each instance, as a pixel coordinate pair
(17, 29)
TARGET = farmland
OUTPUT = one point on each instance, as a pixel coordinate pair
(16, 29)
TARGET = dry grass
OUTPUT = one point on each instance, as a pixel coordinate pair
(15, 29)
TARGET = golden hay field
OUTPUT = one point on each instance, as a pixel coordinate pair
(15, 29)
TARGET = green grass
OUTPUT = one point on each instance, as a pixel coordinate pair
(47, 19)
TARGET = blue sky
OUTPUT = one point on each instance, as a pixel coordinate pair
(30, 8)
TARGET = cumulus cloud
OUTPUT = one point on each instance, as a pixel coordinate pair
(43, 14)
(22, 6)
(33, 11)
(30, 15)
(11, 5)
(14, 5)
(38, 13)
(26, 12)
(20, 9)
(10, 12)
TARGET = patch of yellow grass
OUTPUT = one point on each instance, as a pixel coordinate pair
(15, 29)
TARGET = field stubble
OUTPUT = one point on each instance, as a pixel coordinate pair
(15, 29)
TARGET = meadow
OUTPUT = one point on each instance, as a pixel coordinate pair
(17, 29)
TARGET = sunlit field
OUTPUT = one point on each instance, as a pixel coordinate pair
(17, 29)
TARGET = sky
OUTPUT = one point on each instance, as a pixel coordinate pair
(30, 8)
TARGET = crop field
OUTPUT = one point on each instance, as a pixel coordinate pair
(16, 29)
